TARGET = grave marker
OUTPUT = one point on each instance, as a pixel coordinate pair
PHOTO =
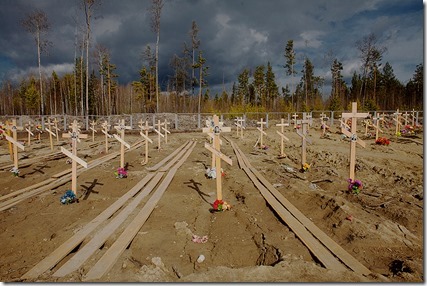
(377, 127)
(92, 127)
(405, 117)
(323, 124)
(262, 132)
(105, 128)
(353, 135)
(50, 133)
(166, 123)
(145, 136)
(14, 141)
(294, 119)
(282, 124)
(304, 139)
(159, 132)
(215, 149)
(121, 127)
(28, 129)
(211, 133)
(239, 124)
(55, 126)
(75, 136)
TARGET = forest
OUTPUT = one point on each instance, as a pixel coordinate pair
(93, 88)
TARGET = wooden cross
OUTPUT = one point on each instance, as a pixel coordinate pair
(377, 127)
(55, 126)
(28, 129)
(50, 133)
(166, 123)
(215, 149)
(367, 124)
(39, 131)
(75, 137)
(121, 129)
(323, 124)
(105, 128)
(93, 130)
(405, 117)
(282, 124)
(294, 119)
(262, 132)
(308, 117)
(397, 119)
(145, 136)
(239, 124)
(304, 139)
(211, 133)
(159, 132)
(413, 117)
(353, 136)
(14, 141)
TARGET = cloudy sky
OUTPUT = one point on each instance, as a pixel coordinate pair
(234, 34)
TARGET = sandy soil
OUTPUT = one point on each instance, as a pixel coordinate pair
(382, 227)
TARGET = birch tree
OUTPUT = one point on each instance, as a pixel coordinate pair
(156, 10)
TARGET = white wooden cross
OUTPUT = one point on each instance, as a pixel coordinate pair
(28, 129)
(405, 117)
(413, 117)
(353, 136)
(304, 139)
(367, 125)
(282, 124)
(145, 136)
(75, 137)
(14, 141)
(55, 126)
(50, 133)
(215, 149)
(308, 117)
(323, 124)
(105, 128)
(294, 119)
(239, 124)
(262, 132)
(166, 123)
(159, 132)
(397, 119)
(93, 130)
(121, 129)
(377, 126)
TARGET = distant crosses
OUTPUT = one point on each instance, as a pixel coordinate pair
(239, 125)
(353, 136)
(294, 119)
(121, 127)
(105, 127)
(261, 145)
(145, 136)
(215, 149)
(28, 129)
(304, 139)
(323, 124)
(50, 133)
(14, 141)
(282, 124)
(165, 128)
(92, 127)
(159, 132)
(75, 136)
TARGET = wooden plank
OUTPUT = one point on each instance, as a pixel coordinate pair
(219, 154)
(73, 157)
(176, 158)
(99, 238)
(58, 254)
(17, 192)
(14, 142)
(121, 141)
(161, 163)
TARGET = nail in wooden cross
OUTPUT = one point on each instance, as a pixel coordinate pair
(282, 125)
(159, 132)
(93, 124)
(304, 139)
(239, 123)
(353, 135)
(28, 129)
(215, 149)
(145, 136)
(50, 133)
(121, 127)
(166, 123)
(262, 132)
(14, 141)
(105, 128)
(75, 136)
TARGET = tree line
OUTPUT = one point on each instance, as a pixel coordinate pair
(93, 89)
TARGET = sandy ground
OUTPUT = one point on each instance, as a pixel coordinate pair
(382, 227)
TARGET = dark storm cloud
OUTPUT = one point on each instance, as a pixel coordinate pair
(234, 34)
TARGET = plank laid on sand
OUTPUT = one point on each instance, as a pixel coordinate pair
(162, 162)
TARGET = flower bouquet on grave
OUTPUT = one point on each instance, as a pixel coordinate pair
(15, 171)
(220, 205)
(398, 134)
(354, 186)
(68, 198)
(382, 141)
(121, 173)
(305, 167)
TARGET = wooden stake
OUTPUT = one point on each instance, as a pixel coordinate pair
(282, 125)
(261, 145)
(75, 137)
(353, 136)
(93, 130)
(121, 129)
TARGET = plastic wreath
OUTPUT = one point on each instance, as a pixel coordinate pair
(354, 186)
(121, 173)
(305, 167)
(15, 171)
(220, 205)
(68, 198)
(382, 141)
